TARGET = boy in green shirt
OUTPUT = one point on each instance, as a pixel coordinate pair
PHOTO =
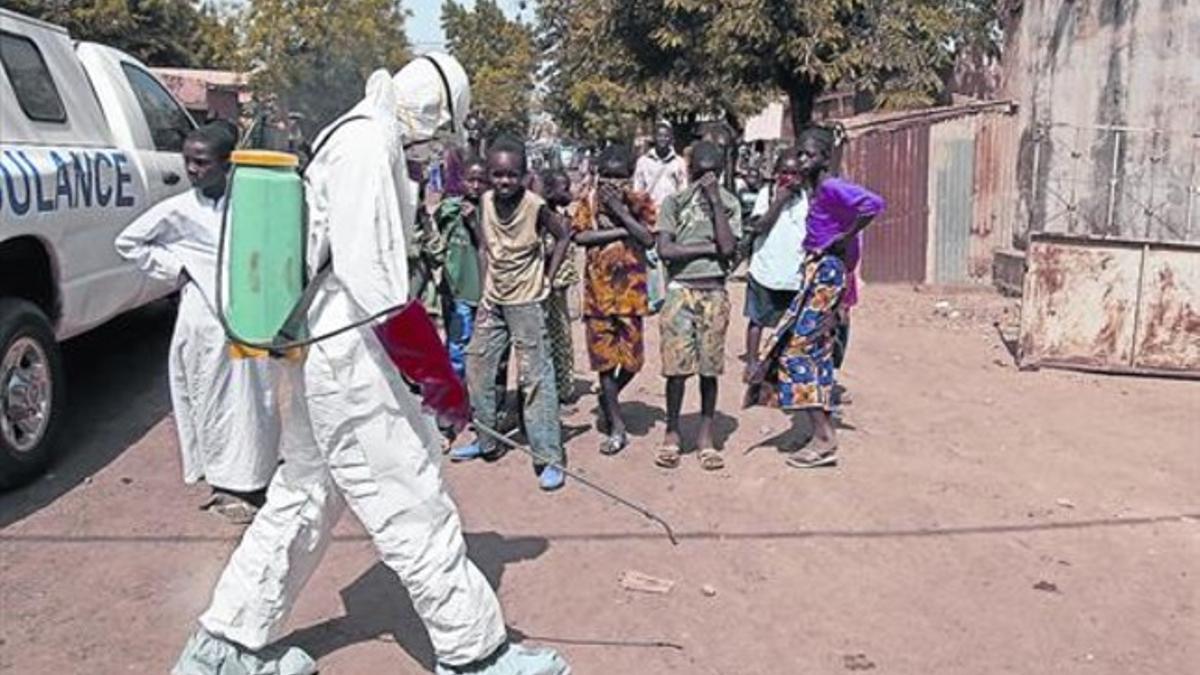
(458, 254)
(698, 229)
(556, 189)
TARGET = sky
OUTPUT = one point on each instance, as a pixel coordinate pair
(425, 25)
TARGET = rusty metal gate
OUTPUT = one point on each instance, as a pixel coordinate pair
(1112, 305)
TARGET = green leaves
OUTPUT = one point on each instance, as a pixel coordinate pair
(687, 58)
(501, 59)
(314, 55)
(158, 32)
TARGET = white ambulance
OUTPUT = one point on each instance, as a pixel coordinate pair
(89, 139)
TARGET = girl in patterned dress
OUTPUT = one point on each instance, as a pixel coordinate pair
(796, 371)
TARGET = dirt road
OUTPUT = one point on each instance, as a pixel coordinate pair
(983, 520)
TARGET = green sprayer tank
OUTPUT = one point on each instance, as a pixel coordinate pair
(264, 249)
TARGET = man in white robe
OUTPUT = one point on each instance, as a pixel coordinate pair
(225, 409)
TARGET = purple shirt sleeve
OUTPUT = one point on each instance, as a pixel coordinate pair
(852, 199)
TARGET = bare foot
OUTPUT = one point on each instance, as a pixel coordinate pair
(671, 439)
(704, 439)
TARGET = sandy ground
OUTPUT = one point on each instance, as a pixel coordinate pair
(983, 520)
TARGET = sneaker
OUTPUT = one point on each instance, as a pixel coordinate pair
(466, 453)
(552, 478)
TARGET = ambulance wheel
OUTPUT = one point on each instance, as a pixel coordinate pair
(32, 391)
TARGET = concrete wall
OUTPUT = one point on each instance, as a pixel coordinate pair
(1109, 94)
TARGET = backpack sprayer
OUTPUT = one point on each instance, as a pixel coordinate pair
(263, 294)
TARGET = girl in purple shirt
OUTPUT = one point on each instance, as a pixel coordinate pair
(797, 370)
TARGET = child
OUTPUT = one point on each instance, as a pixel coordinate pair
(613, 224)
(774, 275)
(797, 370)
(225, 410)
(557, 186)
(697, 239)
(511, 225)
(458, 257)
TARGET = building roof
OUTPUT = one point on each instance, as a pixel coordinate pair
(191, 85)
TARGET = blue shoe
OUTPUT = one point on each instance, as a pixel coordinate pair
(466, 453)
(552, 478)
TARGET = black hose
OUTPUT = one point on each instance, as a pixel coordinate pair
(508, 442)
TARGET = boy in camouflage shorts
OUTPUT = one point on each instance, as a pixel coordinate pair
(698, 232)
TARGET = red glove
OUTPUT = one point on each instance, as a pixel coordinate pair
(413, 344)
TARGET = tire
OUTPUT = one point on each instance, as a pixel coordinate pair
(32, 391)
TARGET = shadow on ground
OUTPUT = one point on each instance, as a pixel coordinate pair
(378, 607)
(117, 390)
(723, 427)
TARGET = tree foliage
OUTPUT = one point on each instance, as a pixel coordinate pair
(158, 32)
(501, 59)
(606, 73)
(315, 55)
(681, 58)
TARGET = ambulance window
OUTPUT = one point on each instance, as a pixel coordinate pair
(30, 79)
(169, 124)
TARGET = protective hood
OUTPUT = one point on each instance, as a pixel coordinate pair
(433, 98)
(378, 104)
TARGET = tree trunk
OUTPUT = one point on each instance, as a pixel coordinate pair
(685, 130)
(802, 99)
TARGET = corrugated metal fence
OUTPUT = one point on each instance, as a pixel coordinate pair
(949, 207)
(997, 191)
(894, 163)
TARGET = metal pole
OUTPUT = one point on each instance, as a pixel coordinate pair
(1072, 206)
(1155, 161)
(1193, 189)
(1034, 192)
(1112, 183)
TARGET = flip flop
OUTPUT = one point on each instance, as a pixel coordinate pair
(667, 456)
(711, 460)
(614, 444)
(812, 458)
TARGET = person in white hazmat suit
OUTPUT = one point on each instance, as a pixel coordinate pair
(355, 435)
(225, 409)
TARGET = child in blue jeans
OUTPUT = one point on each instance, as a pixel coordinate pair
(458, 254)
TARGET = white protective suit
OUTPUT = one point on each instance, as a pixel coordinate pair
(355, 434)
(225, 409)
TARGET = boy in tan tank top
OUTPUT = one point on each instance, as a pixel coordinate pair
(511, 228)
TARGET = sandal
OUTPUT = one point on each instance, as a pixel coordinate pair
(711, 460)
(813, 457)
(667, 456)
(614, 444)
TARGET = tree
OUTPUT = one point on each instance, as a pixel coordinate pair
(501, 59)
(314, 56)
(607, 75)
(688, 57)
(158, 32)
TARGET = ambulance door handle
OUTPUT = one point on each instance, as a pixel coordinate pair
(170, 178)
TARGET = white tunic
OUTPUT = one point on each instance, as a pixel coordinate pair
(225, 409)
